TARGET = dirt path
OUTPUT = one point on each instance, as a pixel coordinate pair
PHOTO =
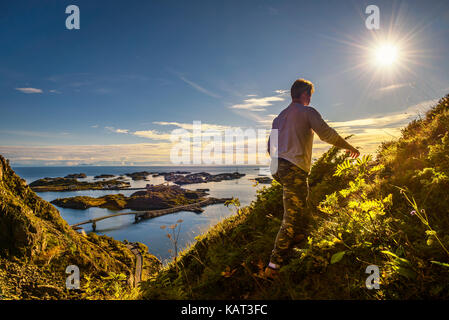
(138, 269)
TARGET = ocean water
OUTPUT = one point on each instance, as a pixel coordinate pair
(149, 231)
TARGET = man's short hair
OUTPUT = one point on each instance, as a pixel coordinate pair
(300, 86)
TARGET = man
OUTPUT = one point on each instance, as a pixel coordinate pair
(295, 126)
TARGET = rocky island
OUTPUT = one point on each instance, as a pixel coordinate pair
(154, 198)
(157, 174)
(264, 180)
(72, 184)
(200, 177)
(76, 176)
(136, 176)
(104, 176)
(142, 175)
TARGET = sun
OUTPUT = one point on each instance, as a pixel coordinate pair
(386, 55)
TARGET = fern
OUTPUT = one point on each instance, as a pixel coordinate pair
(343, 168)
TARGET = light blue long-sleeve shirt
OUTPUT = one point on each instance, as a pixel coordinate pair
(296, 125)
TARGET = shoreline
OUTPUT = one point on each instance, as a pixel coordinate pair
(148, 231)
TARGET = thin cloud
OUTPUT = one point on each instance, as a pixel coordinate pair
(257, 104)
(121, 130)
(166, 136)
(391, 119)
(394, 87)
(189, 126)
(29, 90)
(206, 129)
(198, 87)
(102, 90)
(152, 134)
(112, 129)
(281, 92)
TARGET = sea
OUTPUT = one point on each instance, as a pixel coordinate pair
(149, 231)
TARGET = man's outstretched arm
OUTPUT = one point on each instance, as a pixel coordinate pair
(328, 134)
(342, 143)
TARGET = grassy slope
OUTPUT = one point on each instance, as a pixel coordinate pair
(361, 218)
(36, 246)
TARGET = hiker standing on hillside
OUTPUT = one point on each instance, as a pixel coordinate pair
(295, 126)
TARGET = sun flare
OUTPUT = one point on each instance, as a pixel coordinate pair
(386, 55)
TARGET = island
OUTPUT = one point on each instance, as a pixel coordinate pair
(153, 198)
(200, 177)
(76, 176)
(263, 180)
(157, 174)
(72, 184)
(104, 176)
(141, 175)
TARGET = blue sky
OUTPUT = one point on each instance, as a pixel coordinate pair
(111, 92)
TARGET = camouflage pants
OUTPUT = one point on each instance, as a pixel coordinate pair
(295, 187)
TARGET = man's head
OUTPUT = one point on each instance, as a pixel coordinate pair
(302, 91)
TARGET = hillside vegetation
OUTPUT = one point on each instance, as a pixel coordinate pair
(391, 211)
(37, 245)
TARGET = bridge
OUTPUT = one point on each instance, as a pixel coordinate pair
(139, 215)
